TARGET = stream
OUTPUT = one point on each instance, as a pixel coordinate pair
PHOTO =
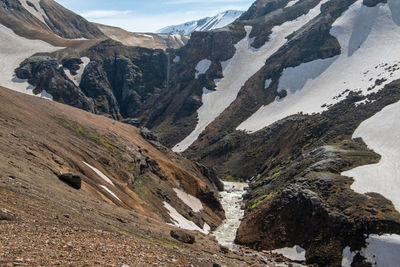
(231, 199)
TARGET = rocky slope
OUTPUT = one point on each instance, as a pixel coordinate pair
(42, 19)
(148, 40)
(123, 189)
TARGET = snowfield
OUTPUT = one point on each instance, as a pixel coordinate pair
(382, 134)
(191, 201)
(181, 222)
(361, 32)
(381, 251)
(14, 49)
(237, 70)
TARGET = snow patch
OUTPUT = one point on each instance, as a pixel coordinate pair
(110, 192)
(381, 133)
(231, 199)
(181, 222)
(14, 49)
(348, 257)
(295, 253)
(99, 173)
(381, 251)
(361, 32)
(292, 3)
(202, 67)
(267, 83)
(236, 75)
(193, 202)
(177, 59)
(76, 79)
(36, 11)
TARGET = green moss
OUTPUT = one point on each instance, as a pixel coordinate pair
(275, 174)
(88, 133)
(257, 203)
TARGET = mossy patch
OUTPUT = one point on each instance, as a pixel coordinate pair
(259, 202)
(88, 133)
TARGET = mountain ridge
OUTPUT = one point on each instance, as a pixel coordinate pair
(220, 20)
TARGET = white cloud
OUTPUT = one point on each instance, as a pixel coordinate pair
(98, 14)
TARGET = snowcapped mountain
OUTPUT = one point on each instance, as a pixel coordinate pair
(206, 24)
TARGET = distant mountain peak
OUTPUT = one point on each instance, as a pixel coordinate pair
(205, 24)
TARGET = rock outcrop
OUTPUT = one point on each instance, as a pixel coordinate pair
(45, 74)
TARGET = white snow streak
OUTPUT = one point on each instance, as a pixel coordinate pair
(267, 83)
(236, 71)
(295, 253)
(193, 202)
(76, 79)
(99, 173)
(202, 67)
(110, 192)
(292, 3)
(382, 134)
(36, 11)
(181, 222)
(361, 32)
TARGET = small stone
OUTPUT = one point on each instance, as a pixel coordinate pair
(224, 249)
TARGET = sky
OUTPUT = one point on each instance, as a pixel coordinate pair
(150, 15)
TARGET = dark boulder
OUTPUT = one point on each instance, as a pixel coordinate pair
(372, 3)
(148, 135)
(183, 236)
(72, 64)
(72, 180)
(6, 215)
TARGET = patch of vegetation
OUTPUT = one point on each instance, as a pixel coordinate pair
(275, 174)
(257, 203)
(230, 178)
(88, 133)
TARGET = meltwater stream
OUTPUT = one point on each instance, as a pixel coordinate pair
(231, 199)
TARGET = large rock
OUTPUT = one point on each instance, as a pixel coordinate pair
(6, 215)
(183, 236)
(72, 180)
